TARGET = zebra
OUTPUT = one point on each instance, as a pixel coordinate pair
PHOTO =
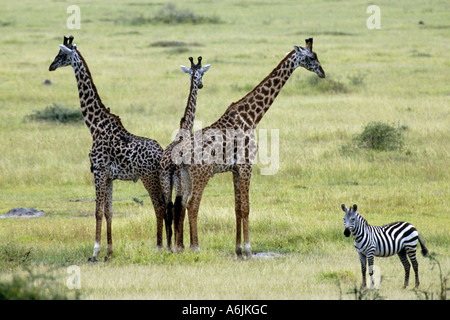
(383, 241)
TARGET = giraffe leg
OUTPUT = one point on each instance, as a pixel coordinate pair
(153, 187)
(404, 259)
(200, 177)
(100, 190)
(183, 188)
(167, 186)
(178, 212)
(237, 210)
(244, 185)
(108, 215)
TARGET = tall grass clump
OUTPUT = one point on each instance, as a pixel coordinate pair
(33, 286)
(379, 136)
(169, 14)
(56, 113)
(444, 279)
(313, 85)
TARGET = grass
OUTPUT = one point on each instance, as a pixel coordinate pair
(373, 76)
(56, 113)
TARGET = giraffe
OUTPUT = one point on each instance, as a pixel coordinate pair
(229, 144)
(115, 153)
(169, 173)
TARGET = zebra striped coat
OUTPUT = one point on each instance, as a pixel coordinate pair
(383, 241)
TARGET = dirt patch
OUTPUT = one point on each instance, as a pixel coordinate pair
(23, 213)
(267, 255)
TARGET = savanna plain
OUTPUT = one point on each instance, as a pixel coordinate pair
(397, 75)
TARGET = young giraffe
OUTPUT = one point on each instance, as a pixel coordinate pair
(169, 173)
(229, 144)
(115, 153)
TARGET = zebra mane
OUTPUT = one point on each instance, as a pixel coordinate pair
(362, 219)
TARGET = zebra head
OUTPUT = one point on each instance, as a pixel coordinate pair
(349, 219)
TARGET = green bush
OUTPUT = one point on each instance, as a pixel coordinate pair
(34, 287)
(379, 136)
(169, 14)
(57, 113)
(327, 85)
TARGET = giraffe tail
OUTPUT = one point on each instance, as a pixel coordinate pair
(177, 211)
(168, 217)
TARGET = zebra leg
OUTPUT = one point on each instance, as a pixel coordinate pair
(363, 260)
(370, 259)
(412, 257)
(406, 265)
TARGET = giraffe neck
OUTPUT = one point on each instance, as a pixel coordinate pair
(187, 122)
(252, 107)
(92, 107)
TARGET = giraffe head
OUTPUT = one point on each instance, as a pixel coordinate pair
(196, 71)
(65, 54)
(349, 218)
(307, 58)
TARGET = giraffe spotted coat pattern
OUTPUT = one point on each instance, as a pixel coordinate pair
(170, 173)
(115, 152)
(229, 144)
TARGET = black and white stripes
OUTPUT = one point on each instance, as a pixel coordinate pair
(383, 241)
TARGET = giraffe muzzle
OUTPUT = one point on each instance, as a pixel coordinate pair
(52, 67)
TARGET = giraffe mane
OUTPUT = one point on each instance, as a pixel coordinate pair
(288, 56)
(107, 110)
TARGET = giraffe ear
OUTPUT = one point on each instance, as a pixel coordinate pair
(205, 68)
(65, 49)
(300, 50)
(185, 69)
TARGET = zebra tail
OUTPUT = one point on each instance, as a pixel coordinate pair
(424, 248)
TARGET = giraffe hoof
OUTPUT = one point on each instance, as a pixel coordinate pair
(248, 251)
(195, 249)
(92, 259)
(180, 249)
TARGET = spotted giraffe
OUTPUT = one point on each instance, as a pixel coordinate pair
(170, 174)
(229, 144)
(115, 152)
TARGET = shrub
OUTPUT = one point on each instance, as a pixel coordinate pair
(357, 79)
(169, 14)
(56, 113)
(327, 85)
(379, 136)
(34, 287)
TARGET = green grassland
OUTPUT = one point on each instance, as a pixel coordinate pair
(398, 74)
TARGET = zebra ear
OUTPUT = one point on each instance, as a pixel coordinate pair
(344, 208)
(355, 207)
